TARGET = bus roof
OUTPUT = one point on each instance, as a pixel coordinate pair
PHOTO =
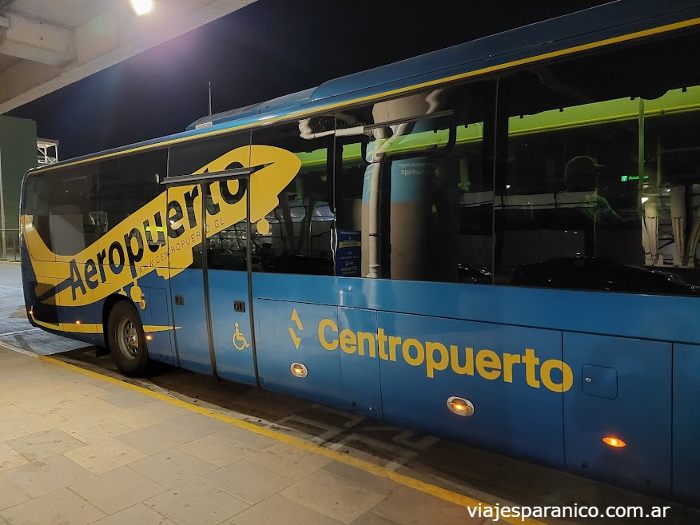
(598, 26)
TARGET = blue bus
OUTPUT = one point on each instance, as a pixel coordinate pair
(496, 243)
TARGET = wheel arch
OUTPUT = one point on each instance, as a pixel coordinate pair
(107, 306)
(134, 361)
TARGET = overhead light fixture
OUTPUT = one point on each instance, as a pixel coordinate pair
(142, 7)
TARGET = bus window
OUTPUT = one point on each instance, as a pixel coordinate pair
(188, 157)
(598, 185)
(226, 249)
(62, 207)
(296, 236)
(36, 207)
(127, 184)
(417, 185)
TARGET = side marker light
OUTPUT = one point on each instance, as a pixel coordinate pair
(614, 442)
(299, 370)
(460, 406)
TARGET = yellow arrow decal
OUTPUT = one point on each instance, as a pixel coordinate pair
(297, 321)
(295, 338)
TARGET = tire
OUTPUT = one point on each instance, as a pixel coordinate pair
(126, 340)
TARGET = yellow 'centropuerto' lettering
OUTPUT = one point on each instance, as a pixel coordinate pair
(325, 343)
(432, 362)
(567, 379)
(435, 357)
(488, 364)
(348, 341)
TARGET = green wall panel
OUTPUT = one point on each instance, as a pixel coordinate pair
(18, 152)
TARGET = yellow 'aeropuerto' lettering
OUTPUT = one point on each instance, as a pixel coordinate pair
(330, 324)
(436, 357)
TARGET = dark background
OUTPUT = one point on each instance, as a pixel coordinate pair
(265, 50)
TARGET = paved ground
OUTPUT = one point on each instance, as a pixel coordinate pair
(78, 450)
(79, 444)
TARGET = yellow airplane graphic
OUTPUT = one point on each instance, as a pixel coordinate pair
(129, 250)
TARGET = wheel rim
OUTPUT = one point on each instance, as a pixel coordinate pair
(127, 337)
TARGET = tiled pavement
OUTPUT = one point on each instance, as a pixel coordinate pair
(77, 450)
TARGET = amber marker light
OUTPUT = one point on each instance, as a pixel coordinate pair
(299, 370)
(460, 406)
(149, 337)
(77, 322)
(614, 442)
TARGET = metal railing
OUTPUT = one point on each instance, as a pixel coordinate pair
(9, 245)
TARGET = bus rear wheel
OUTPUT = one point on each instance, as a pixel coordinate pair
(126, 340)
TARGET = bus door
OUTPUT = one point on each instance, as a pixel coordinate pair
(227, 279)
(186, 275)
(209, 280)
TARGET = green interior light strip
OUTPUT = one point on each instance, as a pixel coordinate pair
(617, 110)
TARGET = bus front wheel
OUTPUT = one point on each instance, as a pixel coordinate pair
(126, 340)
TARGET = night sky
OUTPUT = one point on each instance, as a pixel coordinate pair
(265, 50)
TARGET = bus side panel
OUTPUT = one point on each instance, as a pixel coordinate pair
(231, 327)
(664, 318)
(287, 333)
(686, 423)
(89, 315)
(360, 376)
(158, 323)
(187, 298)
(49, 314)
(622, 389)
(36, 287)
(512, 414)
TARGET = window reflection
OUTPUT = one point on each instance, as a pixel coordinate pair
(599, 172)
(299, 237)
(226, 250)
(414, 182)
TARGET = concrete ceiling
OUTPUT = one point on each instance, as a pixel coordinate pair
(48, 44)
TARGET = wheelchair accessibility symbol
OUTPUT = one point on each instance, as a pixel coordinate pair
(239, 340)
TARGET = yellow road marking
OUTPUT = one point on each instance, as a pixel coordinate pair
(401, 479)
